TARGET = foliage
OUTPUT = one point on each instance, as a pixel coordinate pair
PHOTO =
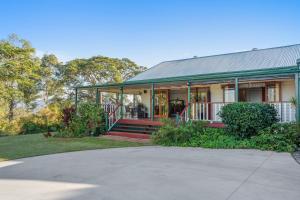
(89, 120)
(246, 119)
(19, 74)
(68, 113)
(10, 127)
(170, 134)
(98, 70)
(293, 101)
(217, 138)
(46, 120)
(278, 137)
(51, 84)
(29, 84)
(33, 124)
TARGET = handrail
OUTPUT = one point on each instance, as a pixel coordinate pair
(114, 110)
(113, 117)
(182, 112)
(182, 115)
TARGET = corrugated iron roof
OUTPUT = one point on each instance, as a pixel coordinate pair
(276, 57)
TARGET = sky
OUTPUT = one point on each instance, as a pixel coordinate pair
(150, 31)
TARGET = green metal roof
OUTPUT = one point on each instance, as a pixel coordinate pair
(260, 59)
(261, 63)
(262, 73)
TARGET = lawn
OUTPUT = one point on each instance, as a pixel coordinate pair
(14, 147)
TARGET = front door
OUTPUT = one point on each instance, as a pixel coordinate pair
(161, 107)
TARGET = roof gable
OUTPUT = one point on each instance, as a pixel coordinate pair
(277, 57)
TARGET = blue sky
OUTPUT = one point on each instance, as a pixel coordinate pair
(152, 31)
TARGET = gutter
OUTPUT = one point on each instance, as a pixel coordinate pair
(206, 77)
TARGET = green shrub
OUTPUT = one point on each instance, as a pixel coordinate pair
(218, 138)
(30, 127)
(171, 134)
(33, 124)
(278, 137)
(244, 120)
(44, 120)
(10, 128)
(196, 134)
(88, 120)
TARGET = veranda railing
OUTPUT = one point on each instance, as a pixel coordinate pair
(109, 107)
(286, 111)
(208, 111)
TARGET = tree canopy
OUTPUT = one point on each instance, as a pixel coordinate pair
(19, 73)
(99, 70)
(51, 84)
(26, 80)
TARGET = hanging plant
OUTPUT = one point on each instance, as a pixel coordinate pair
(293, 101)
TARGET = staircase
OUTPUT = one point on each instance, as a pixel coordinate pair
(141, 129)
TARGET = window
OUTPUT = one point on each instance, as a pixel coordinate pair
(229, 94)
(273, 92)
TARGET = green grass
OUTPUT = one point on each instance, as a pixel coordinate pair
(21, 146)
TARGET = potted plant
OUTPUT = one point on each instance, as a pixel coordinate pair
(293, 101)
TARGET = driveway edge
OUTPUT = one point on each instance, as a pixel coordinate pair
(296, 156)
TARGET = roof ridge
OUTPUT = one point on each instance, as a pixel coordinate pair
(238, 52)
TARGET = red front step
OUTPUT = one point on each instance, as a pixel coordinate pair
(216, 125)
(140, 122)
(129, 135)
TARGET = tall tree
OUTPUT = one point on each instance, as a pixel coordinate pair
(19, 73)
(51, 85)
(99, 70)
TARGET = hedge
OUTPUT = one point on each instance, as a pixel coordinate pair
(247, 119)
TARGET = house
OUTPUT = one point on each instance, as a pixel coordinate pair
(197, 88)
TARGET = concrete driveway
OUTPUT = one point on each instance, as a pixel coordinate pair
(144, 173)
